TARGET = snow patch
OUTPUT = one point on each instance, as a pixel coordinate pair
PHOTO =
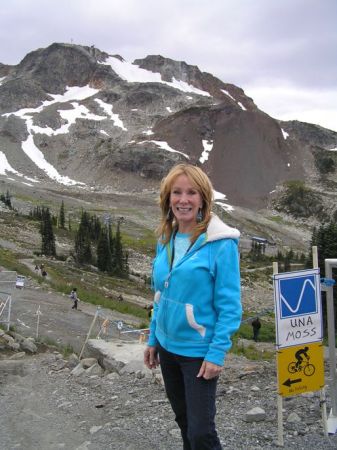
(242, 107)
(2, 80)
(107, 108)
(79, 112)
(30, 149)
(208, 146)
(148, 132)
(220, 199)
(5, 166)
(164, 146)
(134, 74)
(227, 93)
(285, 134)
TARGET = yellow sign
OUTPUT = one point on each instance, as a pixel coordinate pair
(300, 369)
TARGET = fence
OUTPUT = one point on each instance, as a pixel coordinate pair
(7, 284)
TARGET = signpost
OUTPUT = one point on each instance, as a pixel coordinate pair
(298, 308)
(296, 377)
(299, 335)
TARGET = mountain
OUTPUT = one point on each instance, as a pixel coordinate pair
(73, 115)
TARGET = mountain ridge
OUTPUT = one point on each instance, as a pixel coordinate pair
(91, 116)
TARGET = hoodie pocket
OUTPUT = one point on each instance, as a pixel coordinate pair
(192, 322)
(177, 321)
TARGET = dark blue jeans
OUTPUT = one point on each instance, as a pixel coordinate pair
(192, 400)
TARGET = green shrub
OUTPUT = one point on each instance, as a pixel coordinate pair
(300, 201)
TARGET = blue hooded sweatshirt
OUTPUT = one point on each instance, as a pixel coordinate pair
(197, 304)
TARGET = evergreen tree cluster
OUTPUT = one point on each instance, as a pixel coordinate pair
(325, 238)
(6, 199)
(285, 260)
(111, 257)
(38, 212)
(47, 234)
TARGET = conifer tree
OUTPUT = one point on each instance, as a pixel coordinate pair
(47, 234)
(83, 254)
(118, 254)
(6, 199)
(104, 257)
(62, 219)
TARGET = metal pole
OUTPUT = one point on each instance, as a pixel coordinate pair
(329, 264)
(279, 397)
(322, 397)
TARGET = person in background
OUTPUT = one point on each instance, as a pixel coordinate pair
(256, 325)
(197, 304)
(75, 299)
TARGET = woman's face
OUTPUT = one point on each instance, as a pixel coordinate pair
(185, 201)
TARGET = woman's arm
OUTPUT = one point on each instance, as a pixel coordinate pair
(227, 301)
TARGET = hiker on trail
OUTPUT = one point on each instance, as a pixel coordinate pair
(75, 299)
(196, 303)
(150, 311)
(256, 324)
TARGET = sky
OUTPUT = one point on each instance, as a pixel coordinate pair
(282, 53)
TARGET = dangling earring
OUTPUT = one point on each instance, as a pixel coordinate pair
(169, 215)
(199, 216)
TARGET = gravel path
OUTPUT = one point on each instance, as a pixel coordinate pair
(45, 407)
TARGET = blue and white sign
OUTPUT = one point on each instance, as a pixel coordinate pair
(298, 311)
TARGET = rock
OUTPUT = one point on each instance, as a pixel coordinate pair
(111, 364)
(256, 414)
(113, 376)
(95, 369)
(94, 429)
(19, 355)
(73, 360)
(293, 418)
(28, 346)
(88, 362)
(78, 371)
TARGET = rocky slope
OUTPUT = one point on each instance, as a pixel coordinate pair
(77, 116)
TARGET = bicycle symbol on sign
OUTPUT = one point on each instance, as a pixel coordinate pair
(300, 365)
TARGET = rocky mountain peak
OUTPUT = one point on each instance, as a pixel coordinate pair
(93, 118)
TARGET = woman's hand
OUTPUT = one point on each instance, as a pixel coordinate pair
(151, 358)
(209, 370)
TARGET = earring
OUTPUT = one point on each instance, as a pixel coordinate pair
(169, 215)
(199, 216)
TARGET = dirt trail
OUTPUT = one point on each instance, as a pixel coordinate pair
(58, 321)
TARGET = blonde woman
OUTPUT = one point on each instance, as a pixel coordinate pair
(196, 304)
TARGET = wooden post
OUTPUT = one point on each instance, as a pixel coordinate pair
(279, 397)
(89, 332)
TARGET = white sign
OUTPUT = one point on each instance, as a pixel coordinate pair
(298, 311)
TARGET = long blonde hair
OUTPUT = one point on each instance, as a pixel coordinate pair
(201, 182)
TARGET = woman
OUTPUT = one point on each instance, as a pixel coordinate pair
(196, 304)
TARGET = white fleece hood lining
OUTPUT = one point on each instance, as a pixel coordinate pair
(217, 229)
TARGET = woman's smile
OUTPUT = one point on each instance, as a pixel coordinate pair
(185, 201)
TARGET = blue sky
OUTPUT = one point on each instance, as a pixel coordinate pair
(282, 53)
